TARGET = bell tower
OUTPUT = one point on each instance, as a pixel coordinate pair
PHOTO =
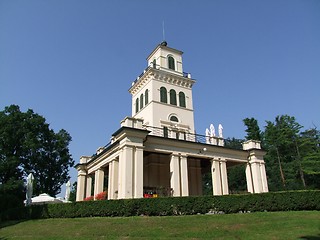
(162, 94)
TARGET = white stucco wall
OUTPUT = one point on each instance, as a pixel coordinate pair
(155, 111)
(161, 53)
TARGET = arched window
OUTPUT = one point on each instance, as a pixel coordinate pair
(182, 99)
(146, 97)
(174, 119)
(163, 95)
(137, 105)
(171, 63)
(173, 97)
(141, 101)
(154, 63)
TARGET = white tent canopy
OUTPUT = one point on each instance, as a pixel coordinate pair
(44, 198)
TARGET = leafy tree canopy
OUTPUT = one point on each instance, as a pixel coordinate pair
(253, 130)
(28, 145)
(293, 156)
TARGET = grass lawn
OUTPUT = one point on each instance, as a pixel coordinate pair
(271, 225)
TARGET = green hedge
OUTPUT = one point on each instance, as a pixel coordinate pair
(276, 201)
(8, 201)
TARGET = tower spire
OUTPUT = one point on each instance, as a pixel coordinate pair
(163, 32)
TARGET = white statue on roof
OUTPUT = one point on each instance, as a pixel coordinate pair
(220, 131)
(207, 136)
(212, 131)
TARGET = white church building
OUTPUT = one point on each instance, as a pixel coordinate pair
(156, 151)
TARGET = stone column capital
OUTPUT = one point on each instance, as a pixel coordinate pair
(82, 172)
(175, 154)
(218, 159)
(256, 161)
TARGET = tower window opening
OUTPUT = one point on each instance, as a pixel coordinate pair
(171, 63)
(141, 101)
(165, 132)
(163, 95)
(154, 63)
(137, 105)
(146, 97)
(177, 135)
(174, 119)
(173, 97)
(182, 99)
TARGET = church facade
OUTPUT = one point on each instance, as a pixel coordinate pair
(156, 151)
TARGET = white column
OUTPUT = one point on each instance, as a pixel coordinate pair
(81, 185)
(264, 177)
(175, 175)
(98, 181)
(216, 177)
(89, 186)
(138, 173)
(184, 176)
(125, 174)
(256, 177)
(224, 177)
(249, 178)
(120, 174)
(115, 180)
(110, 180)
(255, 171)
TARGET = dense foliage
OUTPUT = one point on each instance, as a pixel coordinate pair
(292, 159)
(253, 130)
(236, 174)
(28, 145)
(279, 201)
(293, 156)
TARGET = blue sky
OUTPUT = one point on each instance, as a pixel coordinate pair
(73, 61)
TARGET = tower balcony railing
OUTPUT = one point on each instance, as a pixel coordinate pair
(184, 136)
(156, 66)
(165, 132)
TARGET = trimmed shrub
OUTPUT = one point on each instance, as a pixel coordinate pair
(168, 206)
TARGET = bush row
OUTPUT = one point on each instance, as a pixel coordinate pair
(276, 201)
(8, 201)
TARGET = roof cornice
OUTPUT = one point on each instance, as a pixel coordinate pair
(160, 75)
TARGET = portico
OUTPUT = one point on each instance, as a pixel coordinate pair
(136, 162)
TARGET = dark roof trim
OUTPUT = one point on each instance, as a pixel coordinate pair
(129, 128)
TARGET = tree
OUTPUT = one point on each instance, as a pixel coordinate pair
(236, 174)
(73, 192)
(309, 148)
(281, 139)
(253, 130)
(237, 180)
(233, 143)
(27, 144)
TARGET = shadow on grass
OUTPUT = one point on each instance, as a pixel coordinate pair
(311, 237)
(17, 215)
(10, 223)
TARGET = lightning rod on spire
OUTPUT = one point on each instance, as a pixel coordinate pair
(163, 33)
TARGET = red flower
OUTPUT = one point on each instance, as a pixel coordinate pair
(101, 196)
(90, 198)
